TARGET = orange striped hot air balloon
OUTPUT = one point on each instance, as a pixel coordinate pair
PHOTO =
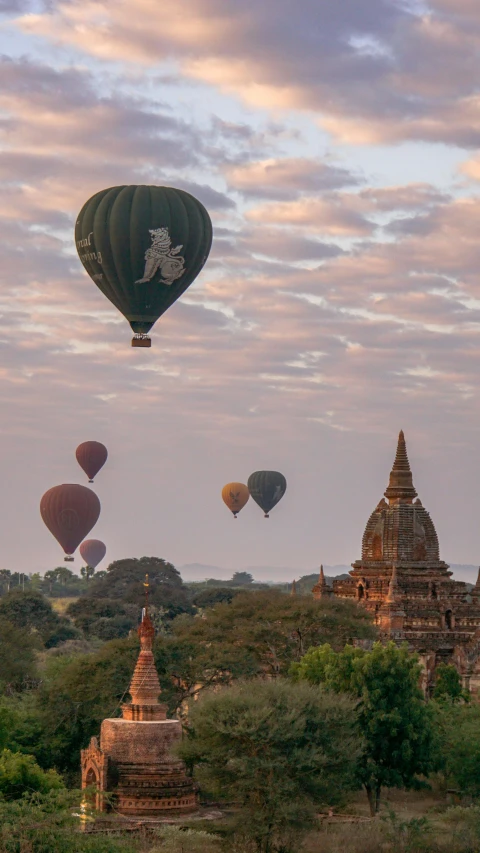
(235, 496)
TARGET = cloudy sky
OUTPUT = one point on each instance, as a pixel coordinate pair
(337, 149)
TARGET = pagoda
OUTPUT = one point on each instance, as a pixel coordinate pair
(408, 589)
(133, 760)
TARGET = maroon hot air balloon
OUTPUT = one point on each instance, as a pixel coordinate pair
(91, 456)
(92, 552)
(70, 511)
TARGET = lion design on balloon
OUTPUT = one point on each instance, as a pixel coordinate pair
(162, 256)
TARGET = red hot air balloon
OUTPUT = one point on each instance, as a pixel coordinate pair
(92, 552)
(91, 456)
(70, 511)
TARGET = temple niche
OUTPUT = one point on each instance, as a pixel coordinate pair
(133, 760)
(408, 589)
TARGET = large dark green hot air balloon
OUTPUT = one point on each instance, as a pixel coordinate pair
(143, 246)
(267, 488)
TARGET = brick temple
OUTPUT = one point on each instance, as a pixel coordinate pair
(407, 588)
(134, 761)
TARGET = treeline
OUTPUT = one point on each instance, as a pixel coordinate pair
(296, 705)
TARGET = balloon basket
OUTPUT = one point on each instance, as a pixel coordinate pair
(69, 559)
(266, 515)
(90, 481)
(141, 341)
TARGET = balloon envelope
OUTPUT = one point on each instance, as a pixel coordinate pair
(235, 495)
(143, 246)
(267, 488)
(91, 456)
(92, 552)
(70, 511)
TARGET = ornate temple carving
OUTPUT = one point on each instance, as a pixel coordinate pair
(409, 590)
(133, 761)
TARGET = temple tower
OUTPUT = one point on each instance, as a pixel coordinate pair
(321, 588)
(402, 581)
(134, 760)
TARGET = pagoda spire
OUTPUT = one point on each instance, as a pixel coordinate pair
(145, 686)
(393, 591)
(400, 488)
(321, 588)
(294, 589)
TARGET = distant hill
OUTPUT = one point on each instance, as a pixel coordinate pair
(266, 574)
(285, 574)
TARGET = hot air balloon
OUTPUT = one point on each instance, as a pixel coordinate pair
(235, 495)
(70, 511)
(267, 488)
(143, 246)
(92, 552)
(91, 456)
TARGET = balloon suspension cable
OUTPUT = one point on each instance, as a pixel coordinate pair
(141, 341)
(146, 585)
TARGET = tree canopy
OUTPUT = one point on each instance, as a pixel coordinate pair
(20, 774)
(394, 718)
(18, 666)
(32, 612)
(125, 580)
(267, 630)
(458, 743)
(278, 751)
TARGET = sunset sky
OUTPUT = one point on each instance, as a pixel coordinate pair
(336, 146)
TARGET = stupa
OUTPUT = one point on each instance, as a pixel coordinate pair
(133, 760)
(409, 590)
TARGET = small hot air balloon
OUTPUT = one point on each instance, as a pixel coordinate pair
(143, 246)
(235, 495)
(92, 552)
(70, 511)
(267, 488)
(91, 456)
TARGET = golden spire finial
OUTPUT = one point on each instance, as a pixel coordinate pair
(147, 586)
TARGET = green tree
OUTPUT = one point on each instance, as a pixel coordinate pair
(73, 699)
(459, 745)
(267, 631)
(87, 572)
(5, 580)
(216, 595)
(277, 750)
(32, 612)
(18, 666)
(394, 718)
(20, 774)
(125, 578)
(105, 618)
(48, 823)
(448, 687)
(242, 579)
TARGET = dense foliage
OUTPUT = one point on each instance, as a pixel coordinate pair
(33, 613)
(458, 735)
(124, 581)
(277, 750)
(393, 716)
